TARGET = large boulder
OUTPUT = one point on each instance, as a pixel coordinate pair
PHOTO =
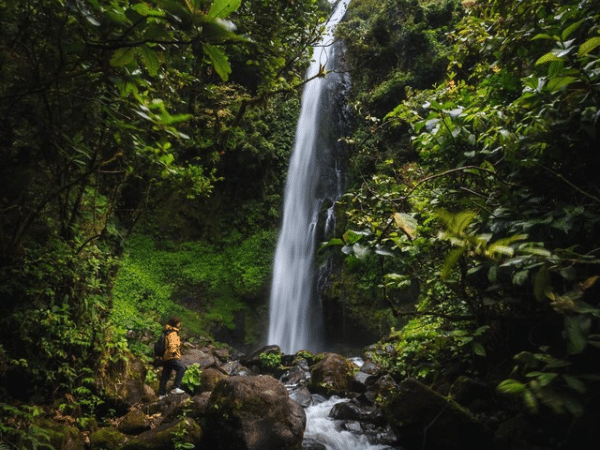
(253, 413)
(424, 419)
(332, 375)
(123, 383)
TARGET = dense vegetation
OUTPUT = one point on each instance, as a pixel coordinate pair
(172, 118)
(144, 146)
(475, 210)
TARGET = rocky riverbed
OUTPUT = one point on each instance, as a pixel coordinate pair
(261, 402)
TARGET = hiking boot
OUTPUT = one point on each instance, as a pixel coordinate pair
(177, 391)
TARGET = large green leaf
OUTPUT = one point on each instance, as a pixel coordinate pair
(222, 8)
(149, 59)
(219, 60)
(588, 46)
(548, 57)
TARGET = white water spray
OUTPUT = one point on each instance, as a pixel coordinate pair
(295, 319)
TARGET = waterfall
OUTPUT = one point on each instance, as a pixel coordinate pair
(313, 178)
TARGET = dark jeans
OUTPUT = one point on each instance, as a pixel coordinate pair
(168, 367)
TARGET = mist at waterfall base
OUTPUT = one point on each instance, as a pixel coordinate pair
(315, 180)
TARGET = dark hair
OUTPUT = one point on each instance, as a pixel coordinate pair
(174, 321)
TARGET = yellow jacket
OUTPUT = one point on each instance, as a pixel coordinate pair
(172, 343)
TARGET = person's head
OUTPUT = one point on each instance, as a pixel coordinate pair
(174, 321)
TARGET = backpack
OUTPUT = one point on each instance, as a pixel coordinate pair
(159, 346)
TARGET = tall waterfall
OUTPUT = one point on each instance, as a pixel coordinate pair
(313, 179)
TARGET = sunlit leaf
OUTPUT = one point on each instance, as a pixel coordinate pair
(571, 28)
(511, 386)
(406, 223)
(554, 84)
(588, 46)
(222, 8)
(451, 261)
(548, 57)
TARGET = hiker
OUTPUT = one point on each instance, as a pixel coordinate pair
(172, 358)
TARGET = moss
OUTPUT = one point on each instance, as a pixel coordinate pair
(61, 436)
(107, 439)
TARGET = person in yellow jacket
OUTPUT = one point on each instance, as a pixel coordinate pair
(172, 358)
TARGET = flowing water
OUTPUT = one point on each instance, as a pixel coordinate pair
(321, 429)
(295, 319)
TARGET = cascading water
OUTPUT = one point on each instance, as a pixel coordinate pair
(313, 178)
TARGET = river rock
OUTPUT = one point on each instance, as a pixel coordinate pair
(424, 419)
(333, 375)
(233, 368)
(380, 387)
(369, 367)
(253, 413)
(295, 376)
(302, 396)
(163, 437)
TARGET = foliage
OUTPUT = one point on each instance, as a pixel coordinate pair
(482, 189)
(111, 110)
(17, 426)
(270, 361)
(424, 347)
(547, 381)
(191, 379)
(215, 277)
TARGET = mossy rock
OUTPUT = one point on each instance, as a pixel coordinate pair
(168, 436)
(332, 375)
(60, 436)
(107, 439)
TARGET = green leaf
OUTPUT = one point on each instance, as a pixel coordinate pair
(351, 237)
(556, 83)
(219, 60)
(450, 262)
(548, 57)
(478, 349)
(222, 8)
(149, 59)
(588, 46)
(122, 57)
(569, 30)
(530, 401)
(511, 386)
